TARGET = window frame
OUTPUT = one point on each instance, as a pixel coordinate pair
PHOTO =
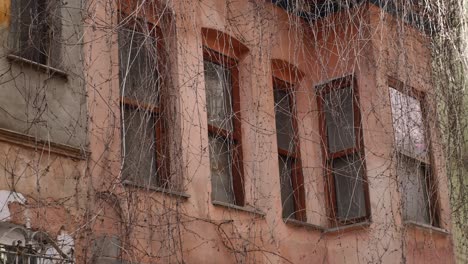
(162, 175)
(296, 175)
(349, 82)
(237, 168)
(428, 163)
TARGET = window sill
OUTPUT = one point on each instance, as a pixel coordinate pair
(426, 227)
(168, 192)
(408, 154)
(239, 208)
(347, 228)
(297, 223)
(44, 68)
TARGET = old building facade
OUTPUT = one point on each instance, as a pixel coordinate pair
(220, 132)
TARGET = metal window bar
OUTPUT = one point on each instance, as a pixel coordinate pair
(26, 255)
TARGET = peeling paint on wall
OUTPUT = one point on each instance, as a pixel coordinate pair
(7, 197)
(5, 12)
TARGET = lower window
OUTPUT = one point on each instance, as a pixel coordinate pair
(144, 156)
(414, 177)
(221, 169)
(349, 187)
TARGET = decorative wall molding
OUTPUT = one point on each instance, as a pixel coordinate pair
(42, 145)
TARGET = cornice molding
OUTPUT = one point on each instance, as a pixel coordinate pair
(31, 142)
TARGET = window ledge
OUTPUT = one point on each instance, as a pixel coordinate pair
(28, 141)
(239, 208)
(168, 192)
(347, 228)
(408, 154)
(45, 68)
(298, 223)
(426, 227)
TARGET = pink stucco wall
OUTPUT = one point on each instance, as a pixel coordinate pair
(155, 227)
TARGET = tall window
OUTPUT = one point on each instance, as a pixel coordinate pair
(143, 128)
(291, 178)
(343, 151)
(224, 128)
(35, 28)
(413, 160)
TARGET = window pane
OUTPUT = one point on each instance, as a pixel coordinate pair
(30, 25)
(284, 120)
(408, 124)
(339, 117)
(412, 175)
(138, 71)
(221, 169)
(218, 95)
(349, 187)
(140, 150)
(287, 191)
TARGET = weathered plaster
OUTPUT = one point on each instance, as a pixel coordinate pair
(7, 197)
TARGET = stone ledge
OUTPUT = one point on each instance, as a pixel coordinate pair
(42, 145)
(44, 68)
(347, 228)
(157, 189)
(426, 227)
(239, 208)
(306, 225)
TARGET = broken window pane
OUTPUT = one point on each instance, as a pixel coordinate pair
(349, 187)
(339, 117)
(218, 95)
(284, 120)
(287, 191)
(221, 169)
(139, 141)
(138, 72)
(408, 124)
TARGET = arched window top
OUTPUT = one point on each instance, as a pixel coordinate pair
(223, 43)
(285, 71)
(154, 12)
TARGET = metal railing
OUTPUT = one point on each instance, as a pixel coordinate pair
(28, 255)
